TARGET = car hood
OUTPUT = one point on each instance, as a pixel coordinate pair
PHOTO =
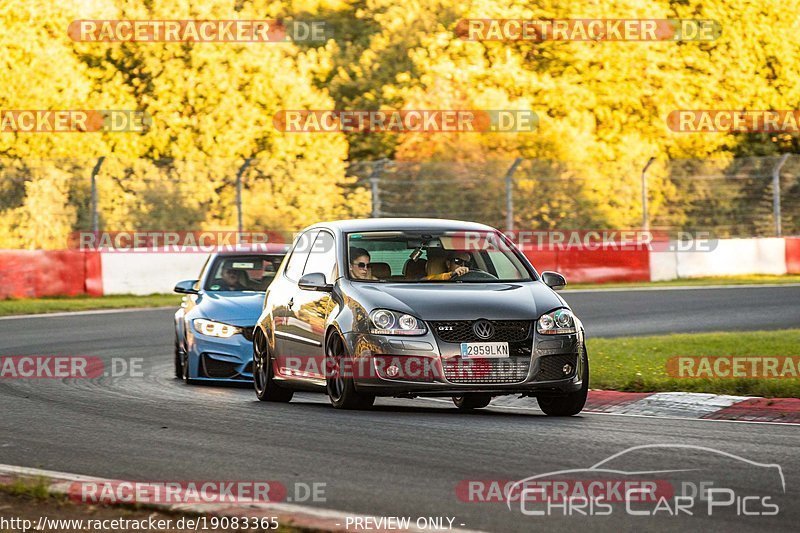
(462, 301)
(235, 308)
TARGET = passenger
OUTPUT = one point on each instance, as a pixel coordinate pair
(359, 264)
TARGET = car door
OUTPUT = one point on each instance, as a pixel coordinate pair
(282, 296)
(311, 308)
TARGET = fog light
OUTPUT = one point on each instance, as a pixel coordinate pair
(392, 371)
(567, 369)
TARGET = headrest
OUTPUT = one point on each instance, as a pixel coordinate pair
(414, 269)
(437, 263)
(380, 270)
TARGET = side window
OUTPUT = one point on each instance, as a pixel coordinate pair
(300, 252)
(323, 256)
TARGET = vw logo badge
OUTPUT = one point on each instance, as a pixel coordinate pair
(483, 329)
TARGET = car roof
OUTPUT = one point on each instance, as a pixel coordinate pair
(401, 224)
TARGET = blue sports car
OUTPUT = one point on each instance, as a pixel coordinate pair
(214, 326)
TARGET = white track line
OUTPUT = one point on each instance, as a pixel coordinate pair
(595, 413)
(683, 288)
(89, 312)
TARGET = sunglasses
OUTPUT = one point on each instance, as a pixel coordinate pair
(459, 261)
(361, 264)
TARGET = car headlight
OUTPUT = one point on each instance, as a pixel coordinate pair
(385, 322)
(215, 329)
(556, 322)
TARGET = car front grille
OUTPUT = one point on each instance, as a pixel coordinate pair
(551, 367)
(214, 368)
(487, 371)
(461, 331)
(247, 332)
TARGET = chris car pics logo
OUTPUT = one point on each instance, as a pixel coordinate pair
(666, 480)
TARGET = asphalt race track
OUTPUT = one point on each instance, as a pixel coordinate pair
(404, 457)
(677, 310)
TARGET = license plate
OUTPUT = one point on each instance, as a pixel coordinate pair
(484, 349)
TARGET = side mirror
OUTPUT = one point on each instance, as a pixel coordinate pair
(315, 281)
(554, 280)
(186, 287)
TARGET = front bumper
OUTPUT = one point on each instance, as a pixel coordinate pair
(427, 366)
(218, 359)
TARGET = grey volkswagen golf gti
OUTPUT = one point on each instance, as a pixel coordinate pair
(417, 307)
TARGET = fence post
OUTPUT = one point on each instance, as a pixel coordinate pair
(776, 194)
(377, 170)
(239, 193)
(95, 217)
(510, 194)
(645, 217)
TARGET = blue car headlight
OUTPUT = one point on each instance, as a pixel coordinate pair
(556, 322)
(215, 329)
(385, 322)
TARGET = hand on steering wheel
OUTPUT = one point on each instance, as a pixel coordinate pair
(459, 271)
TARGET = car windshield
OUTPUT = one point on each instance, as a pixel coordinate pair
(428, 257)
(242, 272)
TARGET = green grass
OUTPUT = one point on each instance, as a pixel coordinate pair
(82, 303)
(639, 363)
(691, 282)
(33, 487)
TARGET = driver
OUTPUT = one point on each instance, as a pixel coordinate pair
(456, 266)
(231, 280)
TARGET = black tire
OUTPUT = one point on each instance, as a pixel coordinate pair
(572, 403)
(339, 380)
(467, 402)
(263, 380)
(181, 363)
(178, 358)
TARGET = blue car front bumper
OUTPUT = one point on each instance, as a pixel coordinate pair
(218, 359)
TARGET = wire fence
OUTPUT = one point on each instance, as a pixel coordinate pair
(744, 197)
(41, 200)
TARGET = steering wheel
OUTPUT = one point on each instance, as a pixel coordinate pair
(474, 275)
